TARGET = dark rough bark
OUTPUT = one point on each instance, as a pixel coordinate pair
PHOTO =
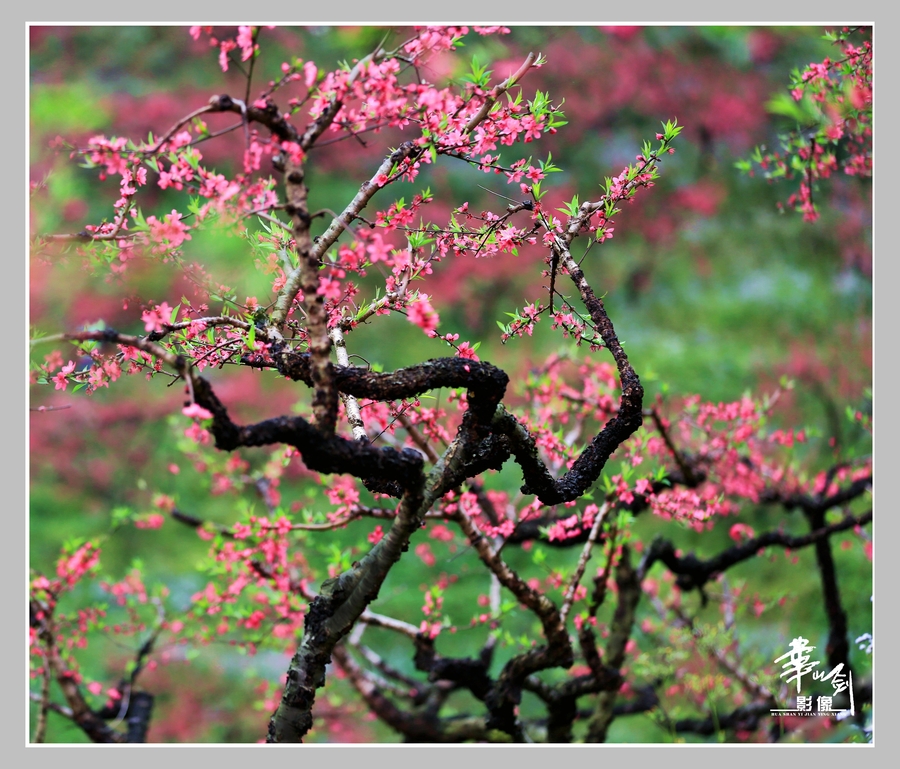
(693, 573)
(628, 581)
(140, 710)
(322, 453)
(838, 646)
(471, 674)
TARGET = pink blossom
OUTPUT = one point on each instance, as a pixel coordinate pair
(112, 369)
(293, 150)
(73, 567)
(423, 314)
(465, 350)
(442, 533)
(169, 233)
(343, 491)
(224, 48)
(376, 536)
(60, 379)
(245, 41)
(52, 361)
(96, 378)
(643, 487)
(107, 152)
(164, 502)
(158, 318)
(564, 529)
(329, 288)
(180, 139)
(430, 629)
(741, 532)
(534, 174)
(423, 550)
(254, 620)
(310, 72)
(198, 434)
(151, 521)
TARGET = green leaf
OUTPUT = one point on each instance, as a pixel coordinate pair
(479, 75)
(121, 516)
(570, 208)
(140, 223)
(548, 167)
(803, 111)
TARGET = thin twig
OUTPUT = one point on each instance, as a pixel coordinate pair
(351, 404)
(498, 91)
(569, 597)
(171, 132)
(380, 620)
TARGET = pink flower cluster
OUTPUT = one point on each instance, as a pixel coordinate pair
(169, 233)
(422, 314)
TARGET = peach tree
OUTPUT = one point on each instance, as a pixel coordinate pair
(509, 497)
